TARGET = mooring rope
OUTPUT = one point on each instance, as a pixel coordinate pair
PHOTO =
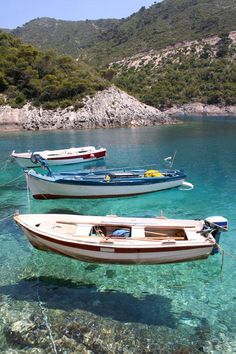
(222, 260)
(13, 180)
(43, 309)
(46, 321)
(6, 164)
(223, 254)
(28, 192)
(226, 253)
(7, 217)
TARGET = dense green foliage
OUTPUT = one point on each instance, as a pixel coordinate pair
(44, 78)
(207, 76)
(68, 37)
(162, 24)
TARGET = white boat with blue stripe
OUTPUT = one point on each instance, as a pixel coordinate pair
(103, 183)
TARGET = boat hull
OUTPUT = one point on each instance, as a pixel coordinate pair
(156, 240)
(48, 188)
(104, 252)
(25, 162)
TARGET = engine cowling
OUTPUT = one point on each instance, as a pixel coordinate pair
(218, 222)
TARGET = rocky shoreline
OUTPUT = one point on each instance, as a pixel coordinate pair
(110, 108)
(107, 109)
(200, 109)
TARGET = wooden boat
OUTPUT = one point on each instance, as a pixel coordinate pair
(59, 157)
(101, 184)
(123, 240)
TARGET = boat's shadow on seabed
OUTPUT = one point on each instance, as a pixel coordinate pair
(119, 306)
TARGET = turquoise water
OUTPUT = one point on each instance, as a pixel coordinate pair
(52, 304)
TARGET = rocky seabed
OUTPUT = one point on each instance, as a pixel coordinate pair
(33, 328)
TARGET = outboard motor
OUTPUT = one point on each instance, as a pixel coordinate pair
(217, 224)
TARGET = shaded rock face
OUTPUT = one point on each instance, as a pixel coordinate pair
(109, 108)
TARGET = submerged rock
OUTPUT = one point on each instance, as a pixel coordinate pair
(18, 332)
(109, 108)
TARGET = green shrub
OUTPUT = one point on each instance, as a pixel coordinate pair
(44, 78)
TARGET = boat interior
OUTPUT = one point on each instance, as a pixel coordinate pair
(122, 231)
(69, 151)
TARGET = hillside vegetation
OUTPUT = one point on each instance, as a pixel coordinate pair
(200, 71)
(174, 52)
(68, 37)
(158, 26)
(43, 78)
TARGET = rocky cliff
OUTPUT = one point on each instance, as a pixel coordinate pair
(108, 108)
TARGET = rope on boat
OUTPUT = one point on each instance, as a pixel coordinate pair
(13, 180)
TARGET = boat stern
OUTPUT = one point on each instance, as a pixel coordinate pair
(216, 224)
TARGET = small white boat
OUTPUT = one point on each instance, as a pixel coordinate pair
(101, 184)
(123, 240)
(59, 157)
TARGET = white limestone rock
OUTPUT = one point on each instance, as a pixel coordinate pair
(109, 108)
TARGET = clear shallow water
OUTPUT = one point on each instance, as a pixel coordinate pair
(57, 304)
